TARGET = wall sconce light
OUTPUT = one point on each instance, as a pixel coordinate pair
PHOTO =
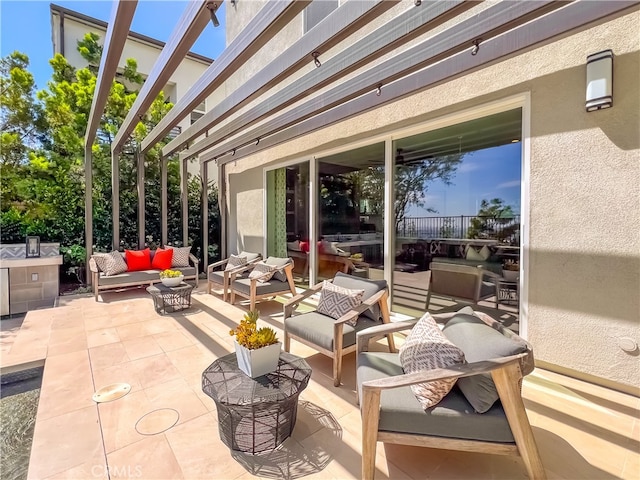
(212, 9)
(599, 80)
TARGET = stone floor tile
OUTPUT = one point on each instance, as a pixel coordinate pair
(170, 341)
(154, 370)
(108, 355)
(151, 458)
(118, 420)
(178, 395)
(102, 336)
(141, 347)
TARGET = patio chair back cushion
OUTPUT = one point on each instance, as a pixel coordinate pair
(370, 287)
(426, 348)
(453, 417)
(279, 263)
(249, 255)
(480, 342)
(262, 272)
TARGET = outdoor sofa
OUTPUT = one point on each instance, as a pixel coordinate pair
(101, 281)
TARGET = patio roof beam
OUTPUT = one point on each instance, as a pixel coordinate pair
(268, 22)
(573, 17)
(395, 33)
(191, 24)
(337, 26)
(486, 24)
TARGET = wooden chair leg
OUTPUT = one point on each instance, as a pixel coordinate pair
(252, 303)
(507, 383)
(392, 343)
(370, 412)
(286, 342)
(338, 331)
(233, 296)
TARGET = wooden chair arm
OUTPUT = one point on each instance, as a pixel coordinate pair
(364, 337)
(194, 260)
(292, 304)
(454, 371)
(93, 266)
(217, 264)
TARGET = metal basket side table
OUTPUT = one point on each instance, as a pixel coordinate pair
(256, 415)
(170, 299)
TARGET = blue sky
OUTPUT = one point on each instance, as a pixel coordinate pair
(483, 175)
(25, 25)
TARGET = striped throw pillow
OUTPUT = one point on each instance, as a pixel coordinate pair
(114, 264)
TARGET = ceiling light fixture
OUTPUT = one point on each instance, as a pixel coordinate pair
(212, 9)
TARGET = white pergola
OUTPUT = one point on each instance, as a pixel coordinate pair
(505, 29)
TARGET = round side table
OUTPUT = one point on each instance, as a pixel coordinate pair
(170, 299)
(256, 414)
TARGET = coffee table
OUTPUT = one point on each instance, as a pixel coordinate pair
(256, 414)
(170, 299)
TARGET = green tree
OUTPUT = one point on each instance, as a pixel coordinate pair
(495, 219)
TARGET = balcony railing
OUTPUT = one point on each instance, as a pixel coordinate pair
(506, 230)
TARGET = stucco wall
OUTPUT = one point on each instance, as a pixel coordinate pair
(583, 277)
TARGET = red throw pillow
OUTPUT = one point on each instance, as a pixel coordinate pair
(138, 260)
(304, 247)
(162, 259)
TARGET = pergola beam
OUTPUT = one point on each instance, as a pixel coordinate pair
(395, 33)
(116, 37)
(576, 16)
(269, 21)
(337, 26)
(459, 37)
(191, 24)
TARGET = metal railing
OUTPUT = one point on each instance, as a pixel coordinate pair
(506, 229)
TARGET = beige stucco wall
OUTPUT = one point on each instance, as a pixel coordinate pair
(583, 275)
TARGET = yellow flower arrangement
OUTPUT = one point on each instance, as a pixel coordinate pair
(249, 336)
(170, 273)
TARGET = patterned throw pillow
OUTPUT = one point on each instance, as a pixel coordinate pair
(180, 256)
(114, 264)
(235, 261)
(261, 269)
(335, 301)
(426, 348)
(280, 275)
(101, 260)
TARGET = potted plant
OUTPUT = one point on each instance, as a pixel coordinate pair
(511, 270)
(257, 350)
(171, 278)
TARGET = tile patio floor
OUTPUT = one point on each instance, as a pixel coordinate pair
(583, 431)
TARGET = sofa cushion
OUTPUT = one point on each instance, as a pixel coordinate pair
(141, 276)
(426, 348)
(453, 417)
(370, 287)
(318, 329)
(162, 259)
(480, 342)
(335, 301)
(114, 264)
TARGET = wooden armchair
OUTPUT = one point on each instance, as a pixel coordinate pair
(391, 413)
(222, 277)
(254, 290)
(465, 282)
(334, 337)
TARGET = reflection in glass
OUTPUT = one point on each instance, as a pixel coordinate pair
(457, 200)
(350, 213)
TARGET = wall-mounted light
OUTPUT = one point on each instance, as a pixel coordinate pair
(212, 9)
(599, 80)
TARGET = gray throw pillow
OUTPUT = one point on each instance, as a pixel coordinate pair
(262, 272)
(480, 342)
(235, 261)
(335, 301)
(370, 287)
(279, 263)
(180, 256)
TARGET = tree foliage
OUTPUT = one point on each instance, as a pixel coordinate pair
(495, 219)
(42, 157)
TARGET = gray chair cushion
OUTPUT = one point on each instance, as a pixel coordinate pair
(274, 286)
(370, 287)
(480, 342)
(318, 329)
(453, 417)
(249, 256)
(218, 276)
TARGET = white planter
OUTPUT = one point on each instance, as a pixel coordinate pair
(173, 281)
(260, 361)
